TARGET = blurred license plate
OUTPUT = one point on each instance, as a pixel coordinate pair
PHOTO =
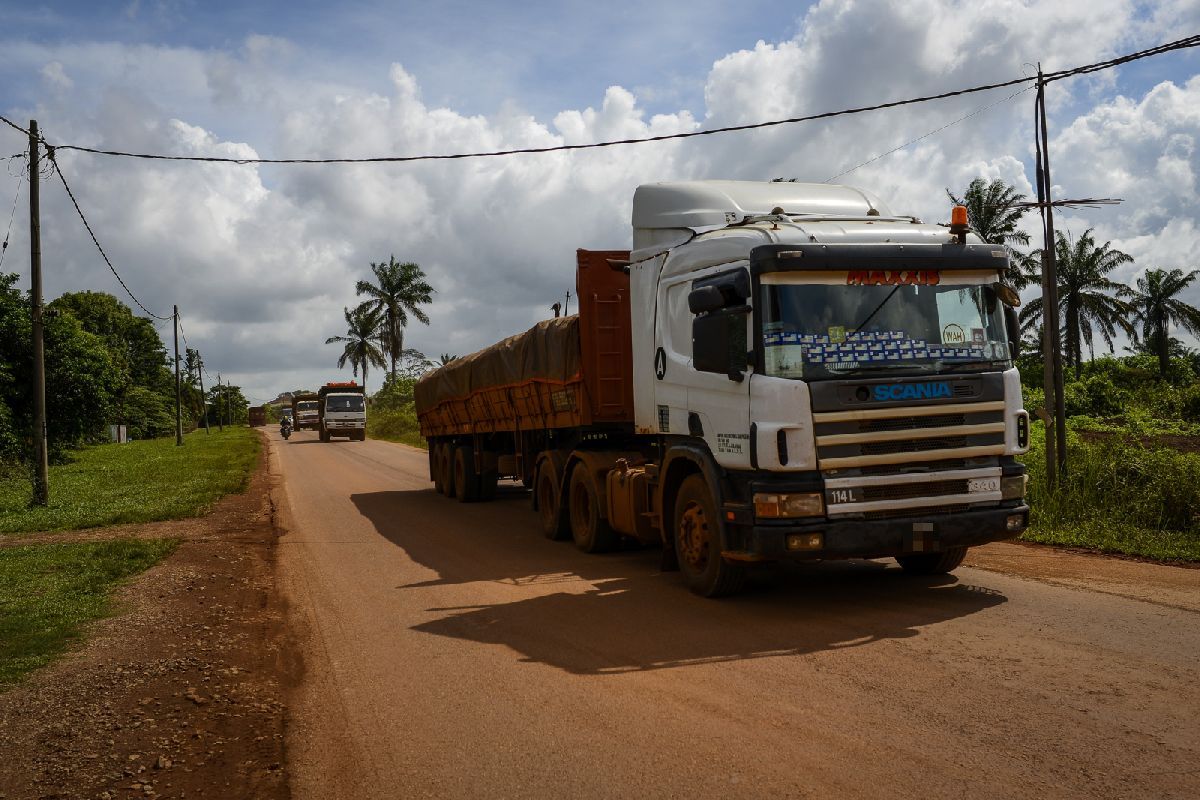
(977, 485)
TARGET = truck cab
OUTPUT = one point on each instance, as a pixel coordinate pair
(342, 411)
(843, 375)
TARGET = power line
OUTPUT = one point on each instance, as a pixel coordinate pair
(1180, 44)
(979, 110)
(11, 217)
(86, 224)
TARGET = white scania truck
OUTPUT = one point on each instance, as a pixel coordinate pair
(774, 371)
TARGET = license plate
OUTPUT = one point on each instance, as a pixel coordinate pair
(835, 497)
(980, 485)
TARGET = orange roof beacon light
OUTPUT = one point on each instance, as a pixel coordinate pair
(958, 223)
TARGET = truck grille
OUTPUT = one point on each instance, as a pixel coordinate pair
(903, 491)
(908, 435)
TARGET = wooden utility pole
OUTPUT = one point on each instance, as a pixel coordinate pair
(203, 399)
(41, 481)
(178, 407)
(1056, 439)
(220, 404)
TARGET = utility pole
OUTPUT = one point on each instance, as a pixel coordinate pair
(567, 307)
(220, 403)
(41, 481)
(203, 399)
(178, 407)
(1052, 375)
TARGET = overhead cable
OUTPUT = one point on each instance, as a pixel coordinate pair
(1180, 44)
(86, 224)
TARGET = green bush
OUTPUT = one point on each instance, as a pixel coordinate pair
(1117, 494)
(1094, 396)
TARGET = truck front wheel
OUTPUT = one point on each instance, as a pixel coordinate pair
(697, 536)
(933, 563)
(590, 531)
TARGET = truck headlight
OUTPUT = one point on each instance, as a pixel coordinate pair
(1013, 488)
(775, 506)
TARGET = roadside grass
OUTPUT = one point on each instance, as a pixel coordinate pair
(48, 592)
(1120, 494)
(396, 425)
(141, 481)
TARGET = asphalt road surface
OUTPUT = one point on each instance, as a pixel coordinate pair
(450, 651)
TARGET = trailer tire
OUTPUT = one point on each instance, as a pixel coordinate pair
(446, 464)
(697, 535)
(466, 480)
(550, 508)
(435, 467)
(933, 563)
(591, 532)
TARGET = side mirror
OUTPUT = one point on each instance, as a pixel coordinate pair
(1013, 323)
(719, 342)
(1007, 294)
(705, 299)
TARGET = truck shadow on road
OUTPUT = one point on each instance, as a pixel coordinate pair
(615, 613)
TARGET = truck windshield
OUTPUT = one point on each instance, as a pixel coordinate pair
(307, 405)
(815, 331)
(336, 403)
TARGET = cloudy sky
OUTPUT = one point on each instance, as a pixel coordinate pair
(262, 260)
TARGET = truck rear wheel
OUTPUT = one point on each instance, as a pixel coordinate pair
(550, 510)
(933, 563)
(697, 533)
(590, 531)
(466, 480)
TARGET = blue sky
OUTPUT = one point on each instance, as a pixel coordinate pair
(497, 237)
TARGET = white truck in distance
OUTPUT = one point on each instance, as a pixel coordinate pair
(775, 371)
(342, 411)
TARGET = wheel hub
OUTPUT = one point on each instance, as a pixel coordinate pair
(694, 536)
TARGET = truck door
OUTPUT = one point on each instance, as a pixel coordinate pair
(717, 325)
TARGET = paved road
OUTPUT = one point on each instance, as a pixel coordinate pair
(450, 651)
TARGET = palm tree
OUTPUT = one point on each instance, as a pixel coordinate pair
(445, 359)
(992, 215)
(400, 289)
(1083, 302)
(360, 350)
(1157, 309)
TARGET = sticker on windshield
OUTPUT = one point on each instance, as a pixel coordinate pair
(978, 337)
(837, 334)
(953, 334)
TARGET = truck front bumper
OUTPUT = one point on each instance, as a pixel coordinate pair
(879, 538)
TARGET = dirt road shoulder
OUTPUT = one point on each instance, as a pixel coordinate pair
(181, 692)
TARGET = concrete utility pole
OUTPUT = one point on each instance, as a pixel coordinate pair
(220, 404)
(178, 407)
(41, 481)
(1052, 375)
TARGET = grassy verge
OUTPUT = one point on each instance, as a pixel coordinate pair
(1120, 494)
(48, 592)
(137, 482)
(395, 426)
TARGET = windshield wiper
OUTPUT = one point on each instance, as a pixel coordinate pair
(870, 316)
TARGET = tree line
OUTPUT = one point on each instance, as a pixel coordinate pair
(104, 366)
